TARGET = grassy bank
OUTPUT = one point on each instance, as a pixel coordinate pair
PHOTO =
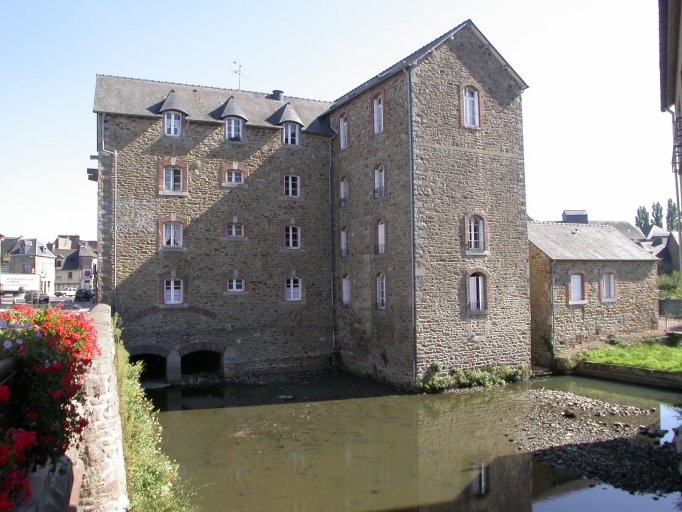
(153, 482)
(641, 355)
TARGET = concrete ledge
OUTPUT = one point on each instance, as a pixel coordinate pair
(630, 374)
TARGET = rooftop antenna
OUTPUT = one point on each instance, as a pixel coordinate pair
(239, 73)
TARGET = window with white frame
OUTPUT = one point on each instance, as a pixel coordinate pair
(343, 131)
(172, 179)
(345, 243)
(172, 234)
(577, 291)
(608, 286)
(292, 289)
(381, 291)
(292, 237)
(291, 134)
(235, 177)
(343, 192)
(234, 128)
(381, 237)
(235, 230)
(345, 289)
(379, 182)
(477, 292)
(235, 284)
(476, 238)
(172, 124)
(471, 114)
(378, 106)
(292, 185)
(172, 291)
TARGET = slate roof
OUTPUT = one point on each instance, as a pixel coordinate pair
(289, 115)
(232, 110)
(31, 247)
(653, 230)
(86, 252)
(584, 242)
(144, 98)
(70, 256)
(630, 231)
(173, 102)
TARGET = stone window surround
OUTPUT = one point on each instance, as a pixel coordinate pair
(486, 290)
(344, 113)
(241, 130)
(160, 230)
(345, 177)
(173, 274)
(608, 270)
(301, 234)
(235, 220)
(375, 237)
(183, 120)
(481, 111)
(486, 234)
(174, 163)
(375, 285)
(287, 275)
(301, 183)
(235, 274)
(234, 166)
(583, 273)
(376, 93)
(375, 168)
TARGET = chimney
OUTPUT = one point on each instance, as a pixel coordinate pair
(575, 216)
(278, 95)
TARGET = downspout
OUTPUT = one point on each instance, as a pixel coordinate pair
(331, 242)
(115, 208)
(412, 244)
(551, 304)
(677, 198)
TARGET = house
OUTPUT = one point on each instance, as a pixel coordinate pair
(587, 281)
(28, 256)
(383, 231)
(74, 268)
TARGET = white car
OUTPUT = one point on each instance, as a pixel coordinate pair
(69, 292)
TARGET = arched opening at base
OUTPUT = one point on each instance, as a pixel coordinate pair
(202, 361)
(154, 366)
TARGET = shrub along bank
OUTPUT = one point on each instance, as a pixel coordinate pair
(434, 382)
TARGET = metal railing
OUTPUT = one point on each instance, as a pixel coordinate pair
(346, 303)
(381, 304)
(478, 307)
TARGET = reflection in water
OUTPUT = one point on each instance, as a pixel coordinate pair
(382, 453)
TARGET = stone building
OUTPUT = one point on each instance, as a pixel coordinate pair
(587, 281)
(22, 255)
(385, 231)
(74, 268)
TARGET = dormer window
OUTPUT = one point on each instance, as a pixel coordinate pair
(234, 128)
(59, 262)
(292, 134)
(172, 124)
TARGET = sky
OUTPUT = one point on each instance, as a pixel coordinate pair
(594, 134)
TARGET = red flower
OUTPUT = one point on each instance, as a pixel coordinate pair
(4, 394)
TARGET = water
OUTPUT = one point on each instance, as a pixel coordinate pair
(379, 450)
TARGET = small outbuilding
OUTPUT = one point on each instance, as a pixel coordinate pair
(587, 281)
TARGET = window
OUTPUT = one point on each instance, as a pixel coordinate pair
(343, 192)
(292, 289)
(234, 174)
(172, 234)
(291, 134)
(235, 282)
(476, 234)
(381, 237)
(172, 291)
(379, 182)
(236, 177)
(233, 129)
(471, 115)
(235, 285)
(236, 230)
(70, 275)
(172, 179)
(59, 263)
(477, 289)
(343, 131)
(345, 289)
(292, 185)
(27, 269)
(608, 286)
(292, 237)
(378, 112)
(577, 289)
(345, 248)
(172, 124)
(381, 291)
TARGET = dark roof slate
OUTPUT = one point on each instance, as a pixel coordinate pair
(289, 115)
(630, 231)
(69, 257)
(232, 110)
(172, 102)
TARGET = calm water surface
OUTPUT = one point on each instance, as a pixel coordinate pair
(379, 450)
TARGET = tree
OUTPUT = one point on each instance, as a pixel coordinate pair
(671, 216)
(657, 214)
(642, 218)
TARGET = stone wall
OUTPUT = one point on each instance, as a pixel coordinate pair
(460, 171)
(540, 307)
(257, 330)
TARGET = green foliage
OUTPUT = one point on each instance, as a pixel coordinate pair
(642, 218)
(433, 382)
(491, 376)
(657, 214)
(529, 218)
(153, 482)
(567, 363)
(648, 353)
(669, 286)
(671, 216)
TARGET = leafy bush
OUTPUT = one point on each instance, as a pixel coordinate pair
(153, 482)
(669, 286)
(433, 382)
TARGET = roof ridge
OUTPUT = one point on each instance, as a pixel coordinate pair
(206, 87)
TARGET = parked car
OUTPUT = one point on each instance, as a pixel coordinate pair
(36, 297)
(82, 294)
(69, 292)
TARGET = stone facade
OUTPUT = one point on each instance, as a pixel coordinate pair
(407, 264)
